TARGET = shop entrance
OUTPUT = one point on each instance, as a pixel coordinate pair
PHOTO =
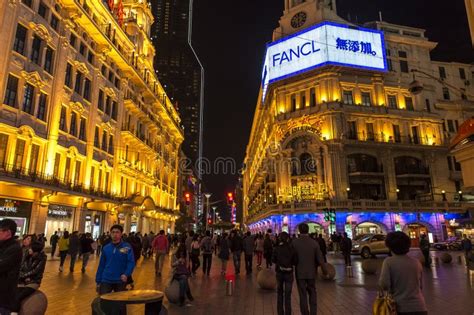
(315, 228)
(415, 231)
(368, 228)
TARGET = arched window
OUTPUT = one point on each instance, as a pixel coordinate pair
(362, 163)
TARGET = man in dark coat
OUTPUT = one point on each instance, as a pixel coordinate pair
(10, 262)
(309, 257)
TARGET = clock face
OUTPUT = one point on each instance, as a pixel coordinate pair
(298, 19)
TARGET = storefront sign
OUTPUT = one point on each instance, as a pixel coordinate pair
(15, 208)
(59, 211)
(301, 193)
(323, 44)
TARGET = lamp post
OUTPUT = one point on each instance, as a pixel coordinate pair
(207, 195)
(214, 208)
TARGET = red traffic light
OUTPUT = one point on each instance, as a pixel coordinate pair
(230, 198)
(187, 198)
(209, 221)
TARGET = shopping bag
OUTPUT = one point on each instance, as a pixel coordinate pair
(384, 304)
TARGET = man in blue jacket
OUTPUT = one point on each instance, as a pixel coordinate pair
(116, 264)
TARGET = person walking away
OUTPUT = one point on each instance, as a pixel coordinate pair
(146, 245)
(86, 249)
(322, 247)
(236, 247)
(224, 252)
(116, 263)
(31, 273)
(249, 247)
(425, 250)
(74, 246)
(259, 250)
(181, 273)
(215, 243)
(194, 254)
(466, 246)
(188, 241)
(309, 257)
(334, 242)
(10, 263)
(160, 247)
(346, 249)
(284, 257)
(63, 246)
(53, 241)
(267, 250)
(206, 246)
(401, 276)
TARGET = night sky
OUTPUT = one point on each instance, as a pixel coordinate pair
(230, 38)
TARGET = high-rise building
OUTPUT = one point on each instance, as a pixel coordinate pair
(88, 137)
(177, 67)
(352, 127)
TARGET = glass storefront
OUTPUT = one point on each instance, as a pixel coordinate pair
(93, 223)
(18, 211)
(59, 218)
(368, 228)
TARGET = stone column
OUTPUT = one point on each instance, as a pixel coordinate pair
(39, 212)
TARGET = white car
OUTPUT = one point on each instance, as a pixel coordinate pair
(369, 245)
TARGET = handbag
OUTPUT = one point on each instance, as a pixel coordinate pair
(384, 304)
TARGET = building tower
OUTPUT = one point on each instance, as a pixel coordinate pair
(177, 68)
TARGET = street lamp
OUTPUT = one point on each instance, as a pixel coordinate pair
(214, 208)
(207, 195)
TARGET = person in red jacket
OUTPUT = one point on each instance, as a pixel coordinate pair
(160, 247)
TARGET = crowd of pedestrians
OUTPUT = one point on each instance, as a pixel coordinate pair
(295, 260)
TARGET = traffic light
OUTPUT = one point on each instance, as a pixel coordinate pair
(209, 221)
(187, 198)
(330, 215)
(230, 198)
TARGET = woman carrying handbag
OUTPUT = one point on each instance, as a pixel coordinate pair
(400, 280)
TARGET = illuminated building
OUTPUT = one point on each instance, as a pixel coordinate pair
(470, 17)
(88, 137)
(344, 139)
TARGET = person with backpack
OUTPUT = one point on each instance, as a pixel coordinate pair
(206, 245)
(195, 253)
(425, 249)
(466, 246)
(284, 257)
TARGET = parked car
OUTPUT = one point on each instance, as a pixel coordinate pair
(370, 245)
(452, 243)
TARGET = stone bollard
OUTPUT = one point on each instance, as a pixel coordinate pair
(266, 279)
(35, 304)
(229, 284)
(172, 292)
(369, 266)
(331, 272)
(446, 258)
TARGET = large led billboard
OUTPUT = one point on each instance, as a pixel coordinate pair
(323, 44)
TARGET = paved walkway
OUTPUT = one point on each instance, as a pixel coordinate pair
(449, 289)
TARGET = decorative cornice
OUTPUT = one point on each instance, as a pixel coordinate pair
(77, 107)
(41, 31)
(81, 66)
(110, 92)
(33, 78)
(106, 125)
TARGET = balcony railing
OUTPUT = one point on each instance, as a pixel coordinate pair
(38, 179)
(385, 138)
